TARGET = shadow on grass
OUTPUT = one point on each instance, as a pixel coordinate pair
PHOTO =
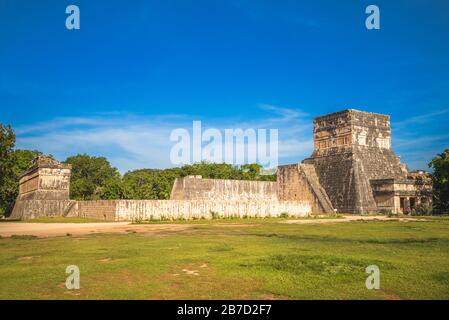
(358, 241)
(320, 265)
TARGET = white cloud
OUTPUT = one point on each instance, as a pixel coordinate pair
(133, 141)
(417, 139)
(420, 119)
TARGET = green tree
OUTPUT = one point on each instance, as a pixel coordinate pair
(157, 184)
(113, 189)
(22, 160)
(440, 179)
(7, 142)
(150, 183)
(92, 177)
(12, 164)
(251, 171)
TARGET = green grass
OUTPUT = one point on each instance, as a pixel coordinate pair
(235, 259)
(247, 220)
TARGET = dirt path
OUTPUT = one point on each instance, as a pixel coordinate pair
(8, 229)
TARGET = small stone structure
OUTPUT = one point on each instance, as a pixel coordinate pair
(44, 190)
(46, 179)
(352, 170)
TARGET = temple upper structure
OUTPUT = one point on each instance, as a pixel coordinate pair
(356, 167)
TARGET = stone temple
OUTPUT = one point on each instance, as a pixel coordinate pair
(352, 170)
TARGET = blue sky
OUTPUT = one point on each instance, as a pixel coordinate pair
(138, 69)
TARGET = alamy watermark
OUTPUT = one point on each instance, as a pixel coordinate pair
(373, 20)
(373, 280)
(72, 282)
(72, 22)
(233, 146)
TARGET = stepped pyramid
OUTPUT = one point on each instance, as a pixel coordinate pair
(356, 167)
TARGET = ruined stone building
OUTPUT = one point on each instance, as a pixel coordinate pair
(351, 170)
(43, 189)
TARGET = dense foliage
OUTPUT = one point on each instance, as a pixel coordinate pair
(440, 177)
(157, 184)
(12, 164)
(93, 178)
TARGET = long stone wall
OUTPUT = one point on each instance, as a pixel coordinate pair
(130, 210)
(127, 210)
(97, 209)
(197, 188)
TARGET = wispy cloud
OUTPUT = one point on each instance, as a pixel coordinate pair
(419, 138)
(286, 114)
(133, 141)
(422, 118)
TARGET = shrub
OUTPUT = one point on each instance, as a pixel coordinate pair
(386, 212)
(424, 209)
(23, 236)
(215, 215)
(137, 221)
(391, 214)
(284, 215)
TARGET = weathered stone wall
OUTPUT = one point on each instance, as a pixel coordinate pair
(299, 182)
(196, 188)
(338, 132)
(45, 184)
(380, 163)
(97, 209)
(31, 209)
(337, 177)
(46, 179)
(370, 129)
(332, 133)
(127, 210)
(130, 210)
(43, 190)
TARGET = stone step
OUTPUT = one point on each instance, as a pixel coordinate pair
(309, 172)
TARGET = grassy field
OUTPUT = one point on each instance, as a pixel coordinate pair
(235, 259)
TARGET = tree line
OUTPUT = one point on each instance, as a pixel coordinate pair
(94, 178)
